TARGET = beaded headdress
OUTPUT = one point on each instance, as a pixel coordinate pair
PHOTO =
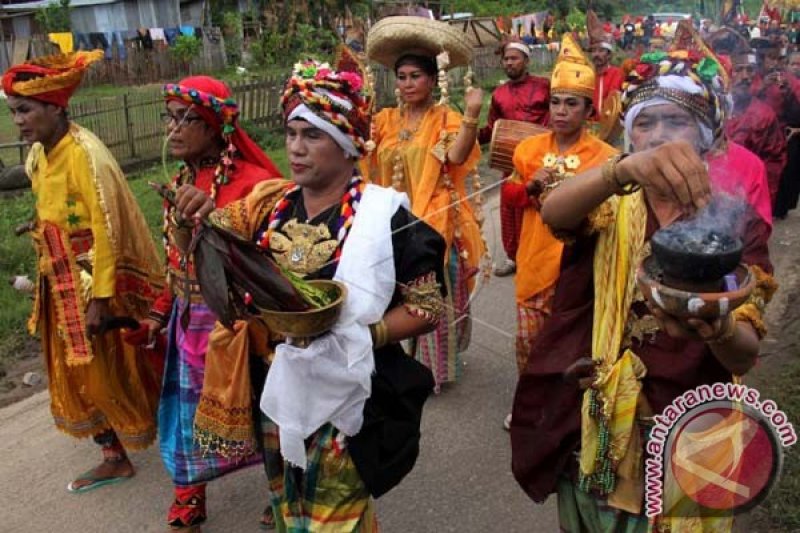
(213, 101)
(691, 59)
(337, 97)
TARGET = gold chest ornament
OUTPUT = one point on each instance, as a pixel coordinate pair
(302, 248)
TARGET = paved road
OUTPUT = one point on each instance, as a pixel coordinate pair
(462, 481)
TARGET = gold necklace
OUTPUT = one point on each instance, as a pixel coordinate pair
(405, 135)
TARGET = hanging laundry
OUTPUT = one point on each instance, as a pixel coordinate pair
(81, 41)
(63, 40)
(109, 49)
(157, 34)
(144, 39)
(187, 30)
(123, 39)
(98, 40)
(171, 34)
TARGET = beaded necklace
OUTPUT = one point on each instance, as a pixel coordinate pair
(186, 175)
(349, 205)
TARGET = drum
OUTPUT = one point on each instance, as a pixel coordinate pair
(506, 135)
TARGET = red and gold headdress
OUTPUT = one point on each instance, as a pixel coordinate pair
(50, 79)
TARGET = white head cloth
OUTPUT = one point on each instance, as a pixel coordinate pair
(304, 113)
(679, 83)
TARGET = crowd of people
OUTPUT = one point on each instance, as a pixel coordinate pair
(380, 202)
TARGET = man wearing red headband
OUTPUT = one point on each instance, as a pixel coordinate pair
(221, 160)
(94, 261)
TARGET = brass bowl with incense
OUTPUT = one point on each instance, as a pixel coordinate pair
(311, 323)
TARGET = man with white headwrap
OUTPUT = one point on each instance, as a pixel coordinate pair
(608, 359)
(342, 413)
(523, 97)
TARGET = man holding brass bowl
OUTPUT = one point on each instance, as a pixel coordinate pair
(607, 358)
(331, 397)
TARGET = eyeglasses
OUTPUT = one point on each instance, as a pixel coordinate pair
(179, 120)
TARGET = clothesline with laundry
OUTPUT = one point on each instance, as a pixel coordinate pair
(147, 38)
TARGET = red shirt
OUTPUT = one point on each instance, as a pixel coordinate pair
(759, 130)
(527, 99)
(609, 81)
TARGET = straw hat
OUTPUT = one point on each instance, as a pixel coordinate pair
(394, 37)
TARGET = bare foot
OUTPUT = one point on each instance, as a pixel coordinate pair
(108, 469)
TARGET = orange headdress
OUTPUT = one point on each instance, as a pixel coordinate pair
(50, 79)
(573, 74)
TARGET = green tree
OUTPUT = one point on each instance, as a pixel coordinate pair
(185, 49)
(54, 17)
(232, 30)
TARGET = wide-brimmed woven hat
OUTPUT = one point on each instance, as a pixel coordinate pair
(394, 37)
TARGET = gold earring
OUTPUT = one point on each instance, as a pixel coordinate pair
(399, 96)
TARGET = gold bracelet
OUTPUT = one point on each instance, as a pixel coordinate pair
(469, 121)
(380, 334)
(727, 333)
(609, 173)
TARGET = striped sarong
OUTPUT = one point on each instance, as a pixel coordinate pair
(183, 383)
(328, 495)
(531, 316)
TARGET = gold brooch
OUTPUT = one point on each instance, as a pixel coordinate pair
(302, 248)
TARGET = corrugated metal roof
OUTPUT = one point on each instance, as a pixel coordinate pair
(28, 6)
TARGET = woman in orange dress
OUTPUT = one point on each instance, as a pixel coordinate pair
(429, 151)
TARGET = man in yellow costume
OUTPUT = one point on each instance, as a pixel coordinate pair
(540, 163)
(96, 265)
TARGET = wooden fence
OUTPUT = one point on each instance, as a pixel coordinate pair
(139, 66)
(130, 124)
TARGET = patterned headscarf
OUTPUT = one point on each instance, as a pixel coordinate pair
(689, 75)
(332, 101)
(50, 79)
(214, 103)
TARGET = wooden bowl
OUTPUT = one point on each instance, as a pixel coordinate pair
(688, 304)
(307, 324)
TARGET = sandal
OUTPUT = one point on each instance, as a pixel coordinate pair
(188, 509)
(267, 521)
(96, 481)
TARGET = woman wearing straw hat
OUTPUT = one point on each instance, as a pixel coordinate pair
(428, 150)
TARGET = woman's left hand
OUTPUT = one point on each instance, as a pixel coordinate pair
(473, 101)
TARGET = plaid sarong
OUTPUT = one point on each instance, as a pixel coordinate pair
(328, 495)
(531, 316)
(183, 383)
